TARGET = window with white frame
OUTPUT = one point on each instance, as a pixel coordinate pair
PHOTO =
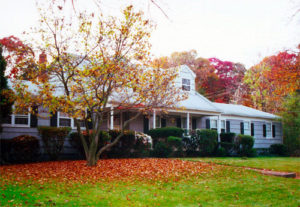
(64, 120)
(247, 129)
(223, 126)
(17, 120)
(269, 130)
(157, 121)
(214, 124)
(186, 84)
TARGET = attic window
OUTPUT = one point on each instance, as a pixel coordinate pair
(186, 84)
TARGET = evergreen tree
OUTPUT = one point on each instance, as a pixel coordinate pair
(5, 102)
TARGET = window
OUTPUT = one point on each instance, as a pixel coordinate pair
(157, 122)
(64, 120)
(223, 126)
(214, 124)
(245, 128)
(268, 130)
(186, 84)
(22, 120)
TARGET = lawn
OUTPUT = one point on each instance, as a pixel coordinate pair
(142, 182)
(285, 164)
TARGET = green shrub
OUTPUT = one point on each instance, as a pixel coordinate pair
(221, 152)
(54, 139)
(161, 150)
(244, 145)
(278, 149)
(125, 145)
(24, 148)
(5, 150)
(208, 141)
(228, 147)
(76, 142)
(165, 132)
(190, 146)
(227, 137)
(175, 142)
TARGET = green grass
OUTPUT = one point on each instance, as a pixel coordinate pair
(230, 186)
(285, 164)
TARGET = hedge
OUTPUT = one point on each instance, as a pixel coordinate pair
(53, 139)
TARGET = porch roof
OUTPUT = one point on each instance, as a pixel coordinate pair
(240, 110)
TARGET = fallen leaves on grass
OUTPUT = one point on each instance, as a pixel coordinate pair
(110, 169)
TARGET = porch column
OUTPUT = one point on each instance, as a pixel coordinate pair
(154, 118)
(111, 117)
(219, 128)
(188, 123)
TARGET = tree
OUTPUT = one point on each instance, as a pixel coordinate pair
(291, 122)
(18, 55)
(272, 79)
(230, 76)
(5, 100)
(93, 64)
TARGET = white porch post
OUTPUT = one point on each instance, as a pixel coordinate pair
(111, 117)
(188, 123)
(219, 128)
(154, 118)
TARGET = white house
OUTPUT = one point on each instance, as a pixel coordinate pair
(196, 112)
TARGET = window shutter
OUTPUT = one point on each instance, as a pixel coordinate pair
(227, 126)
(252, 129)
(163, 122)
(53, 119)
(242, 127)
(33, 117)
(178, 122)
(273, 131)
(207, 124)
(264, 130)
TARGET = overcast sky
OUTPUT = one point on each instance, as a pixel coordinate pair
(236, 30)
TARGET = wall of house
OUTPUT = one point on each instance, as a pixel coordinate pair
(187, 73)
(137, 124)
(260, 140)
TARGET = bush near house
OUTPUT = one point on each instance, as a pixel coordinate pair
(208, 141)
(53, 139)
(226, 146)
(175, 143)
(227, 137)
(278, 149)
(161, 150)
(164, 133)
(76, 142)
(21, 149)
(244, 146)
(124, 147)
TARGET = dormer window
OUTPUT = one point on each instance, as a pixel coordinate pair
(186, 84)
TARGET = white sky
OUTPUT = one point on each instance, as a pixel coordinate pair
(236, 30)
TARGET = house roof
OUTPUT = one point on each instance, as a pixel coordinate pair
(240, 110)
(195, 101)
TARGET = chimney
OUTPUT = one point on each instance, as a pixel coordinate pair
(42, 58)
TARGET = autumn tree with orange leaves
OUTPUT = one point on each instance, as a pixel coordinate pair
(90, 64)
(273, 79)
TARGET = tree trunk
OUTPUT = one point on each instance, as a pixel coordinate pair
(91, 159)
